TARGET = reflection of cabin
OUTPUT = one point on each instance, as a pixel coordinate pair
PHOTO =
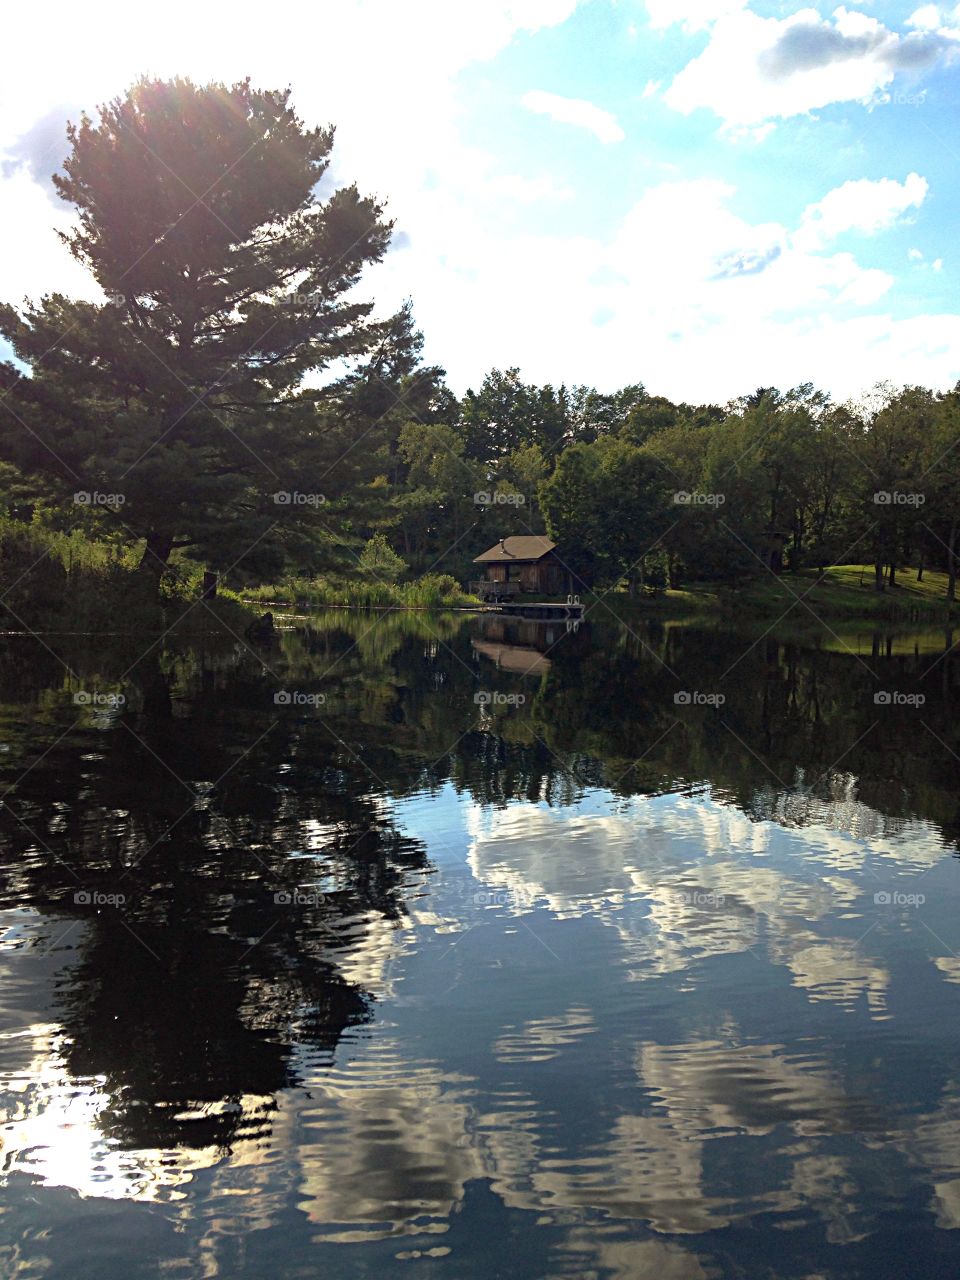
(520, 565)
(518, 645)
(513, 657)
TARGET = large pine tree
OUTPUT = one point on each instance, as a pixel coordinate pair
(229, 280)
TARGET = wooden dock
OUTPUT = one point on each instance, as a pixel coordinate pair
(529, 609)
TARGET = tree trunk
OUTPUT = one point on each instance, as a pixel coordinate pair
(878, 575)
(952, 564)
(893, 575)
(799, 535)
(920, 568)
(210, 580)
(153, 562)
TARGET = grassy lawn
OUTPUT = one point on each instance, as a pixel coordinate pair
(846, 591)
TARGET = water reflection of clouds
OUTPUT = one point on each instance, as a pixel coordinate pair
(385, 1146)
(408, 1139)
(542, 1039)
(684, 882)
(381, 1142)
(603, 1249)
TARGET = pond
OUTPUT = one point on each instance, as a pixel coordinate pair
(452, 946)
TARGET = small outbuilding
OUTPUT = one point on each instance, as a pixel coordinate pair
(521, 565)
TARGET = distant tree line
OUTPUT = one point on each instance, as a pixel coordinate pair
(636, 488)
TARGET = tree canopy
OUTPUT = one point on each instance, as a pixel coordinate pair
(229, 281)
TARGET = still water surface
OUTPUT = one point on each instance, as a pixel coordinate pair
(446, 947)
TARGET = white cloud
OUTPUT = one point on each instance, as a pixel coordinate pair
(698, 301)
(917, 256)
(692, 15)
(861, 205)
(575, 111)
(932, 19)
(926, 19)
(412, 55)
(33, 260)
(760, 69)
(521, 190)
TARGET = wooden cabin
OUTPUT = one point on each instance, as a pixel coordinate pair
(521, 565)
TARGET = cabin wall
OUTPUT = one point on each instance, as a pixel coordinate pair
(546, 576)
(553, 575)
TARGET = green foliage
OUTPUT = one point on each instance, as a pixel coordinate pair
(432, 591)
(507, 413)
(606, 507)
(57, 580)
(378, 560)
(227, 281)
(435, 504)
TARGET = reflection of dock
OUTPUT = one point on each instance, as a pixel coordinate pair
(519, 609)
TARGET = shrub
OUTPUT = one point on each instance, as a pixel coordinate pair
(379, 561)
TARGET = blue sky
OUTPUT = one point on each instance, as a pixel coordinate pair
(703, 195)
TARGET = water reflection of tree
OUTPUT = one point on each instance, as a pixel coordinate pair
(604, 715)
(199, 805)
(792, 715)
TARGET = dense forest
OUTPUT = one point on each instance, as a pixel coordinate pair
(235, 410)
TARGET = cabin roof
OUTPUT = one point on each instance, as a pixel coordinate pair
(518, 547)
